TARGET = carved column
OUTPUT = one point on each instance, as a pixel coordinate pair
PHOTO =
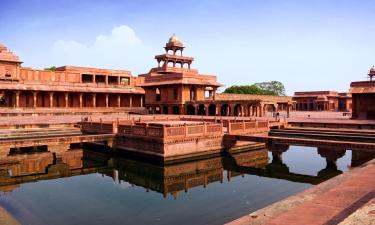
(130, 101)
(141, 100)
(66, 100)
(17, 102)
(51, 99)
(106, 101)
(80, 100)
(34, 98)
(94, 100)
(119, 100)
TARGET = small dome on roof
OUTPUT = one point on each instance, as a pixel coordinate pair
(3, 48)
(174, 41)
(372, 70)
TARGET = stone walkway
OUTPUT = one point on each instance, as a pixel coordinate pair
(6, 218)
(347, 198)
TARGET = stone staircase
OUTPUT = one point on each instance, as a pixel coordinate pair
(353, 135)
(13, 134)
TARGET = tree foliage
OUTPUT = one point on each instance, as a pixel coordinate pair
(274, 86)
(264, 88)
(52, 68)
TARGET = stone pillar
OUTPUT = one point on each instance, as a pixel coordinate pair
(242, 111)
(17, 102)
(261, 110)
(94, 100)
(217, 110)
(141, 100)
(34, 98)
(130, 101)
(288, 111)
(80, 100)
(106, 101)
(66, 100)
(206, 109)
(51, 99)
(227, 112)
(119, 100)
(106, 80)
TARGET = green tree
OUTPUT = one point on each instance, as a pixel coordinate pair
(264, 88)
(273, 86)
(52, 68)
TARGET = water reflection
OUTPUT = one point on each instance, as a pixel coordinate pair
(17, 169)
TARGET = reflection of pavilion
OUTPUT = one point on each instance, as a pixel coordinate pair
(169, 178)
(23, 168)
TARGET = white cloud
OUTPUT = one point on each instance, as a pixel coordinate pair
(121, 49)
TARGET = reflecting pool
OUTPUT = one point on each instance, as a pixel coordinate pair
(88, 187)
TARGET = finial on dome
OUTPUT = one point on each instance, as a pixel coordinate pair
(3, 48)
(174, 41)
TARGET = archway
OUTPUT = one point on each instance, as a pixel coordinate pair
(190, 110)
(157, 94)
(225, 110)
(176, 110)
(212, 110)
(165, 109)
(238, 110)
(201, 110)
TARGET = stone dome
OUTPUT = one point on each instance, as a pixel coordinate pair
(3, 48)
(322, 98)
(372, 70)
(174, 41)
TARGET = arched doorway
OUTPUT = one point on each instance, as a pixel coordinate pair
(225, 110)
(165, 109)
(201, 110)
(212, 110)
(176, 110)
(190, 110)
(238, 110)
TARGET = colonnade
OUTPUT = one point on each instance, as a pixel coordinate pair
(221, 109)
(49, 99)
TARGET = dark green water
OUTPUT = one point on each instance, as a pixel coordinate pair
(93, 188)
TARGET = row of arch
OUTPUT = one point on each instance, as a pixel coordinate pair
(215, 109)
(33, 99)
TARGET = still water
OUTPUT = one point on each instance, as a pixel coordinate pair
(87, 187)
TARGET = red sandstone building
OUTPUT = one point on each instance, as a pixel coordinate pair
(322, 101)
(363, 93)
(175, 88)
(67, 87)
(172, 87)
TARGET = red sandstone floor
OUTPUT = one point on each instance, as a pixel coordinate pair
(330, 202)
(295, 116)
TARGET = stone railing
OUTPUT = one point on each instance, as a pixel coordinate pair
(141, 130)
(165, 131)
(247, 127)
(99, 127)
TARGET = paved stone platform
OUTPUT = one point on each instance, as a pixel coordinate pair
(346, 199)
(6, 218)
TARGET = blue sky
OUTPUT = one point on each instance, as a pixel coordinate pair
(307, 45)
